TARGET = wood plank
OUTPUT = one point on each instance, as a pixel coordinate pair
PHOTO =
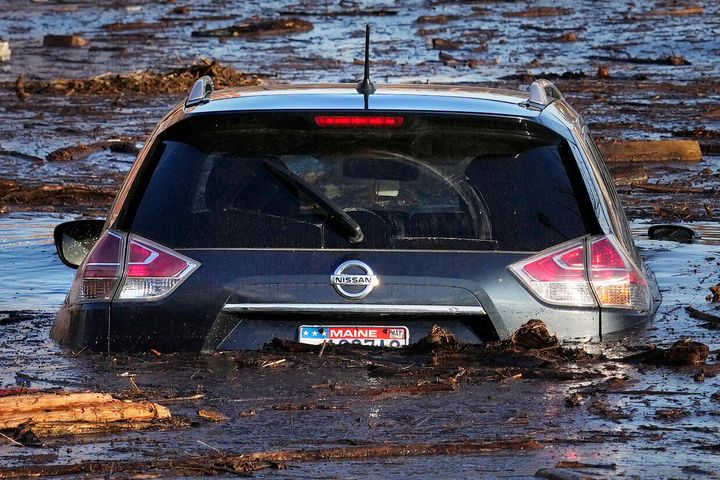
(49, 401)
(73, 408)
(57, 429)
(651, 150)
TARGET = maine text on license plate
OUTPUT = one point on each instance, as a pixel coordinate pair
(357, 335)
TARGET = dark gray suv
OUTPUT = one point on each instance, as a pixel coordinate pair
(320, 214)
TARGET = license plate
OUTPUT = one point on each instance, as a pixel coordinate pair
(354, 334)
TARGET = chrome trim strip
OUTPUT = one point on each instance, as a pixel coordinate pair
(353, 308)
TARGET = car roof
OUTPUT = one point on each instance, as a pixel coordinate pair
(439, 98)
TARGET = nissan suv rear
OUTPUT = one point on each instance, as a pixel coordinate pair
(318, 214)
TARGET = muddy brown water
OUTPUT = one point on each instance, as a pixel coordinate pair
(483, 43)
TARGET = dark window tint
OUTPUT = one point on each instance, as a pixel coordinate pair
(438, 182)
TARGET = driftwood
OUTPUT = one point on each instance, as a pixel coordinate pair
(81, 150)
(416, 389)
(629, 174)
(57, 194)
(675, 60)
(540, 12)
(713, 320)
(689, 10)
(59, 429)
(256, 28)
(64, 41)
(651, 150)
(665, 188)
(248, 463)
(69, 413)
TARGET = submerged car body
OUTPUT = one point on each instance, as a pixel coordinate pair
(318, 214)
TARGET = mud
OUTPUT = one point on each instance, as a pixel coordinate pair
(634, 71)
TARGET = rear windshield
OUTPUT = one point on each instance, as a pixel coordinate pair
(437, 182)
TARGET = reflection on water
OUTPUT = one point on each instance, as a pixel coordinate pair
(31, 274)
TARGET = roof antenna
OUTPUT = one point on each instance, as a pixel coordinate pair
(366, 86)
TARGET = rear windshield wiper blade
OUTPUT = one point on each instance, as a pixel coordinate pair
(350, 228)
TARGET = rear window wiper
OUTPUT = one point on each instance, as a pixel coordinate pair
(349, 227)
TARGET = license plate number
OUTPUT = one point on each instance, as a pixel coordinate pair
(354, 334)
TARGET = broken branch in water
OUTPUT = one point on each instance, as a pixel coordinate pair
(248, 463)
(80, 151)
(655, 187)
(707, 317)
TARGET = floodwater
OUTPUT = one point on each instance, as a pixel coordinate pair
(479, 409)
(489, 44)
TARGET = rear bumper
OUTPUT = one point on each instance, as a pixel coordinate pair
(250, 330)
(250, 326)
(82, 326)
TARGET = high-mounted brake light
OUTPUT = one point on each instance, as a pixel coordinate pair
(153, 271)
(98, 276)
(359, 121)
(563, 276)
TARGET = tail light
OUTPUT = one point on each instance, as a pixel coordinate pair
(99, 274)
(146, 271)
(617, 281)
(569, 275)
(153, 271)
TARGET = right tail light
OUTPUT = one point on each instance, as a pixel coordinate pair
(585, 273)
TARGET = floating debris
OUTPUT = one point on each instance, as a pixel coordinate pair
(52, 414)
(64, 41)
(248, 463)
(714, 296)
(541, 12)
(650, 150)
(671, 413)
(684, 352)
(5, 52)
(178, 80)
(80, 151)
(675, 60)
(259, 27)
(212, 415)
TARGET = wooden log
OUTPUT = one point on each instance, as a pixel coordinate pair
(629, 174)
(651, 150)
(64, 41)
(49, 401)
(244, 464)
(662, 188)
(73, 408)
(689, 10)
(57, 429)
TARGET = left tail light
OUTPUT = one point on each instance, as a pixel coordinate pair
(98, 276)
(133, 267)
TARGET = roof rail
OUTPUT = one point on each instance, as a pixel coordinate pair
(200, 92)
(542, 93)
